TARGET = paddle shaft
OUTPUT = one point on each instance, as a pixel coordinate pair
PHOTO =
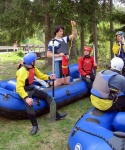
(53, 68)
(53, 103)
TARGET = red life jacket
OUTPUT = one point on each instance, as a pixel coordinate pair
(31, 75)
(87, 65)
(64, 65)
(30, 79)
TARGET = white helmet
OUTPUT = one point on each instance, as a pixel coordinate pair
(117, 63)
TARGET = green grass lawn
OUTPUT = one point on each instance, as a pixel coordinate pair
(15, 134)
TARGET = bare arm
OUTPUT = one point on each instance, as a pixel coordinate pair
(74, 30)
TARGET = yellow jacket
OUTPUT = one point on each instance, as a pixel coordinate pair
(116, 48)
(22, 75)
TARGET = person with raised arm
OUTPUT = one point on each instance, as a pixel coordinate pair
(119, 48)
(61, 53)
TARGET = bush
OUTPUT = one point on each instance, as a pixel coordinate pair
(20, 53)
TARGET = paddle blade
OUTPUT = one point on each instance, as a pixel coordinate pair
(52, 111)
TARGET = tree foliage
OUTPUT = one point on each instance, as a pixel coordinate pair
(22, 18)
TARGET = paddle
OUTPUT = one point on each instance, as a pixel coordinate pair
(53, 103)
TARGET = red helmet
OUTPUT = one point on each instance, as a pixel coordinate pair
(87, 48)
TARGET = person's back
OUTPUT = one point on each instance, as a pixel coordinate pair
(106, 87)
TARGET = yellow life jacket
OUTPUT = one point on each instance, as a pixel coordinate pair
(100, 103)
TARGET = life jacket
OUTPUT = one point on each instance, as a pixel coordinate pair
(87, 65)
(63, 47)
(64, 65)
(100, 86)
(30, 79)
(31, 75)
(121, 52)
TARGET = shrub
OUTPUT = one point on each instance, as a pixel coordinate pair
(20, 53)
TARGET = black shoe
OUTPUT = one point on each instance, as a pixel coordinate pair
(60, 116)
(34, 130)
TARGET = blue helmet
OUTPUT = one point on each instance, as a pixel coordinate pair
(120, 33)
(29, 58)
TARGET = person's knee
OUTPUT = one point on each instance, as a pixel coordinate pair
(58, 81)
(66, 80)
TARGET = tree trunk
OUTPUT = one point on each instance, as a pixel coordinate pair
(103, 9)
(82, 40)
(47, 31)
(95, 41)
(47, 37)
(111, 29)
(73, 50)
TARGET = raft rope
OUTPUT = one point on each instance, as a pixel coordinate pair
(78, 128)
(67, 92)
(8, 96)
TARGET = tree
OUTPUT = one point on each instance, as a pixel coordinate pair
(111, 29)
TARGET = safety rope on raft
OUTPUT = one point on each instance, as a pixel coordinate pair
(78, 128)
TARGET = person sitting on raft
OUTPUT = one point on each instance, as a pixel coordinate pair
(107, 86)
(86, 65)
(26, 89)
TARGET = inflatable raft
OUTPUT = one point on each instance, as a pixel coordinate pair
(97, 130)
(13, 107)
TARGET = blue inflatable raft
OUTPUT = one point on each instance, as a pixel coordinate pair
(13, 107)
(97, 130)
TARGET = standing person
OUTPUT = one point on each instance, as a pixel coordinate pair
(107, 86)
(86, 66)
(15, 46)
(61, 57)
(26, 89)
(119, 48)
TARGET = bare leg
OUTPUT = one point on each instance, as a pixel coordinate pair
(58, 82)
(66, 80)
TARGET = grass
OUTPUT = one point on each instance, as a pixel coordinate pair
(14, 134)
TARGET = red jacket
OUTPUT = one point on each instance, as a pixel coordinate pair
(86, 65)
